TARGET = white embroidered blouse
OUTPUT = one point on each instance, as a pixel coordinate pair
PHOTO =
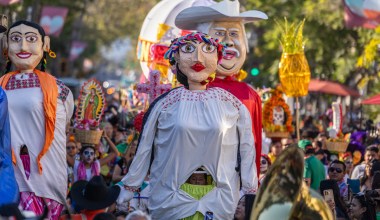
(27, 122)
(190, 129)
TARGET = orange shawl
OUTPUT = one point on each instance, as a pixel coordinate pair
(50, 94)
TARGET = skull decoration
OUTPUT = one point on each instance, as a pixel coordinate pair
(278, 115)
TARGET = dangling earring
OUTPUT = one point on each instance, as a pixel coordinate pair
(5, 53)
(52, 54)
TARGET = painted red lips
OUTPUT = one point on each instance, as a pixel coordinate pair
(24, 55)
(198, 67)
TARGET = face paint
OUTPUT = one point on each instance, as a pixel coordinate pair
(25, 47)
(232, 35)
(197, 61)
(88, 155)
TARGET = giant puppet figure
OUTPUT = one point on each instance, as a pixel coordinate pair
(224, 22)
(40, 107)
(194, 127)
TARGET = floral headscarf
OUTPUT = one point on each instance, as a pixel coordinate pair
(193, 37)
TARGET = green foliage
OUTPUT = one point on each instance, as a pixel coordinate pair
(331, 49)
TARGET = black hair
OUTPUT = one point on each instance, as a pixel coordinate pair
(104, 216)
(40, 30)
(373, 148)
(249, 200)
(369, 204)
(319, 144)
(85, 146)
(339, 162)
(375, 166)
(332, 184)
(182, 78)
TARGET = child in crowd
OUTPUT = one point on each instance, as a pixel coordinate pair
(89, 166)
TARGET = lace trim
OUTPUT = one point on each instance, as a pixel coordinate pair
(203, 96)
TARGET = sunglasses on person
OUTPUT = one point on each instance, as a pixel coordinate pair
(70, 147)
(88, 153)
(348, 162)
(338, 170)
(264, 162)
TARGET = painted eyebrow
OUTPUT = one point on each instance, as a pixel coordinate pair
(234, 29)
(16, 32)
(220, 29)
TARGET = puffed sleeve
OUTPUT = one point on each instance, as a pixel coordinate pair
(140, 164)
(247, 152)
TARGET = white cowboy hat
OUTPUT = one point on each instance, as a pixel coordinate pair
(227, 10)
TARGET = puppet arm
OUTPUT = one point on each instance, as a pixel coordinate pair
(141, 162)
(247, 152)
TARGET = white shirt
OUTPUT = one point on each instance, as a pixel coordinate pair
(190, 129)
(27, 121)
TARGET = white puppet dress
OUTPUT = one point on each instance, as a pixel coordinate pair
(190, 129)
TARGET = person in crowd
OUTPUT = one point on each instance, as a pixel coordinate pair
(40, 107)
(104, 149)
(71, 155)
(367, 179)
(199, 177)
(322, 138)
(275, 151)
(122, 166)
(336, 172)
(317, 145)
(245, 207)
(138, 215)
(208, 128)
(88, 166)
(314, 171)
(285, 142)
(371, 153)
(264, 166)
(348, 161)
(92, 197)
(108, 130)
(362, 207)
(337, 205)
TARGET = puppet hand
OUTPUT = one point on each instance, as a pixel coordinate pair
(124, 196)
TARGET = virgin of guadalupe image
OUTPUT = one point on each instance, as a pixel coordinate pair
(91, 105)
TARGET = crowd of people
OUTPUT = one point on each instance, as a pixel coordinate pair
(348, 181)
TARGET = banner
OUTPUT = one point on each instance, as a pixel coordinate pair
(77, 48)
(8, 2)
(362, 13)
(52, 19)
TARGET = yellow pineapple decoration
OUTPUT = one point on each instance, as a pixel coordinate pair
(294, 70)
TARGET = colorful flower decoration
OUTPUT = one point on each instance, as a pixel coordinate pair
(137, 123)
(276, 100)
(153, 87)
(193, 37)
